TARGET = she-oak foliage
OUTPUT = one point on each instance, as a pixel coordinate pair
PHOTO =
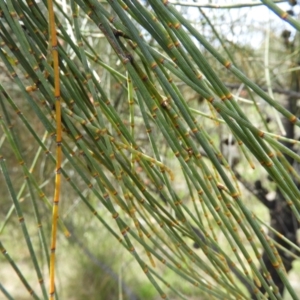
(131, 159)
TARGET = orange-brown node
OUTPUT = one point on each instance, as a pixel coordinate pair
(13, 14)
(250, 238)
(125, 60)
(162, 170)
(220, 186)
(187, 158)
(217, 208)
(90, 13)
(170, 46)
(289, 203)
(177, 154)
(293, 119)
(153, 65)
(21, 219)
(211, 99)
(78, 137)
(177, 44)
(124, 232)
(261, 133)
(209, 177)
(164, 104)
(27, 76)
(249, 260)
(154, 18)
(199, 76)
(162, 60)
(190, 151)
(41, 280)
(133, 46)
(41, 57)
(227, 213)
(235, 195)
(276, 264)
(174, 60)
(223, 97)
(21, 163)
(284, 15)
(198, 155)
(90, 185)
(115, 216)
(95, 175)
(172, 224)
(107, 102)
(194, 130)
(155, 108)
(219, 223)
(227, 64)
(14, 74)
(177, 25)
(269, 163)
(229, 96)
(267, 276)
(200, 192)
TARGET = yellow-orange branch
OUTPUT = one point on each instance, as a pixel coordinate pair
(54, 47)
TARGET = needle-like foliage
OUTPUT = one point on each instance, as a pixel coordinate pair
(103, 81)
